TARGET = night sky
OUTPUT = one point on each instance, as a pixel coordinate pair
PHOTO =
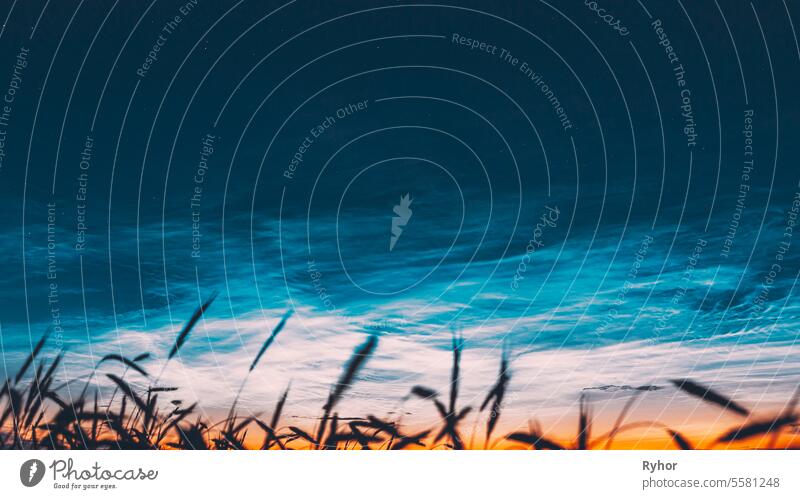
(610, 189)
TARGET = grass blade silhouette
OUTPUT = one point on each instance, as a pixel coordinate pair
(709, 395)
(455, 375)
(621, 417)
(535, 440)
(584, 424)
(450, 416)
(270, 339)
(253, 365)
(133, 364)
(128, 391)
(345, 381)
(356, 362)
(681, 441)
(29, 360)
(411, 440)
(181, 339)
(273, 424)
(424, 392)
(755, 428)
(787, 411)
(302, 434)
(496, 395)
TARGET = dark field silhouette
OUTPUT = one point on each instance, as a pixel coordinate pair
(34, 413)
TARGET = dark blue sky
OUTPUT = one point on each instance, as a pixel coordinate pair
(187, 183)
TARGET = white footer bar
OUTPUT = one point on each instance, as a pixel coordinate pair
(352, 474)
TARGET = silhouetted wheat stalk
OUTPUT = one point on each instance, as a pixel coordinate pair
(187, 328)
(354, 364)
(451, 416)
(270, 339)
(496, 395)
